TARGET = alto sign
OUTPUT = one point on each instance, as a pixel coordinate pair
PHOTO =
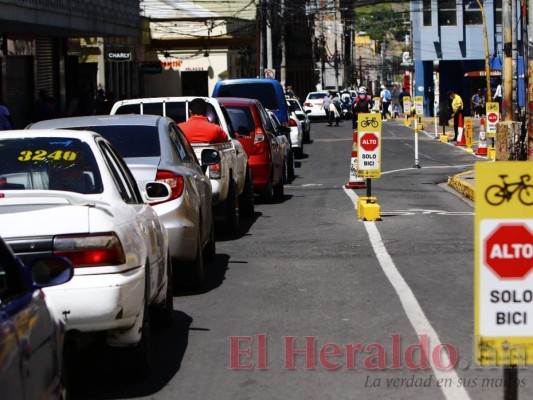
(503, 280)
(369, 146)
(509, 251)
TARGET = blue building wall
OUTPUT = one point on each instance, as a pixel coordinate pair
(455, 49)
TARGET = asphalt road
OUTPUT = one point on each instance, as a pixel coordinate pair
(305, 273)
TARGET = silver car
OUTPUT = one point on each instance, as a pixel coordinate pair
(155, 148)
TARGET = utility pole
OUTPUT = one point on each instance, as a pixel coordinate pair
(283, 71)
(486, 41)
(507, 61)
(529, 82)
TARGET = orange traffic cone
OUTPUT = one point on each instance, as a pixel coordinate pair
(460, 134)
(354, 181)
(482, 145)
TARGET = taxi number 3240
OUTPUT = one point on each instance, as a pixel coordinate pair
(41, 155)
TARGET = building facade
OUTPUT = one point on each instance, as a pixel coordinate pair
(58, 48)
(449, 48)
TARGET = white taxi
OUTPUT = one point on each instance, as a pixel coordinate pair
(69, 193)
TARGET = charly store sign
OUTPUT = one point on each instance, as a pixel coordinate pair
(120, 55)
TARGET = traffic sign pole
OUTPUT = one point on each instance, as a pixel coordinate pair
(417, 164)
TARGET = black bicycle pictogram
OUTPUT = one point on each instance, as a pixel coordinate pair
(497, 194)
(369, 122)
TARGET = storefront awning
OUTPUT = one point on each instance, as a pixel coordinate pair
(477, 74)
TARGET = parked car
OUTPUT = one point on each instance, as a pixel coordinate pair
(258, 138)
(231, 179)
(283, 134)
(69, 193)
(297, 137)
(304, 119)
(31, 334)
(268, 91)
(155, 149)
(314, 104)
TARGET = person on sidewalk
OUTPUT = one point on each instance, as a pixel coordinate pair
(478, 104)
(386, 98)
(457, 112)
(198, 129)
(498, 94)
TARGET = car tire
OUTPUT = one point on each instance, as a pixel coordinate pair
(246, 199)
(307, 135)
(232, 209)
(198, 272)
(138, 358)
(290, 166)
(267, 193)
(300, 151)
(210, 247)
(279, 190)
(165, 310)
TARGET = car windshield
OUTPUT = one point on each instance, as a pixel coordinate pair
(241, 116)
(52, 163)
(130, 140)
(316, 96)
(264, 92)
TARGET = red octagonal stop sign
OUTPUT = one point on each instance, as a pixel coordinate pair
(492, 117)
(369, 141)
(509, 251)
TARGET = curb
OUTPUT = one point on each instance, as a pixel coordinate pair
(461, 186)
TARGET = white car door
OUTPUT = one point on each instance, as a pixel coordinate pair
(150, 226)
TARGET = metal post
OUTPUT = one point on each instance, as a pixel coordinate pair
(510, 382)
(417, 165)
(368, 189)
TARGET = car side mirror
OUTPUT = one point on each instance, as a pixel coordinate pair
(157, 192)
(51, 271)
(308, 111)
(209, 157)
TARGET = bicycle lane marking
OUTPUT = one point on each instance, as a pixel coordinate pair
(411, 307)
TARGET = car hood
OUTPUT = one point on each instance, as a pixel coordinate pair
(35, 213)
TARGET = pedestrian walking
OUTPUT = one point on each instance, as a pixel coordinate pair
(327, 102)
(457, 111)
(403, 93)
(478, 104)
(335, 109)
(386, 97)
(6, 122)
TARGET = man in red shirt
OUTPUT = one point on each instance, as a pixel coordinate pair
(198, 128)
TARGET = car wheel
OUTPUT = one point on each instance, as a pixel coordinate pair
(246, 199)
(300, 151)
(279, 189)
(165, 310)
(198, 273)
(290, 166)
(210, 247)
(232, 208)
(139, 357)
(267, 194)
(307, 135)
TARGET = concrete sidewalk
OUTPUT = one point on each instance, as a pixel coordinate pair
(463, 183)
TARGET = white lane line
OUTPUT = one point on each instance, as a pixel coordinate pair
(421, 325)
(430, 167)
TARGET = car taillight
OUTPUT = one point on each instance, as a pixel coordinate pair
(292, 122)
(215, 171)
(90, 250)
(260, 144)
(308, 104)
(175, 181)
